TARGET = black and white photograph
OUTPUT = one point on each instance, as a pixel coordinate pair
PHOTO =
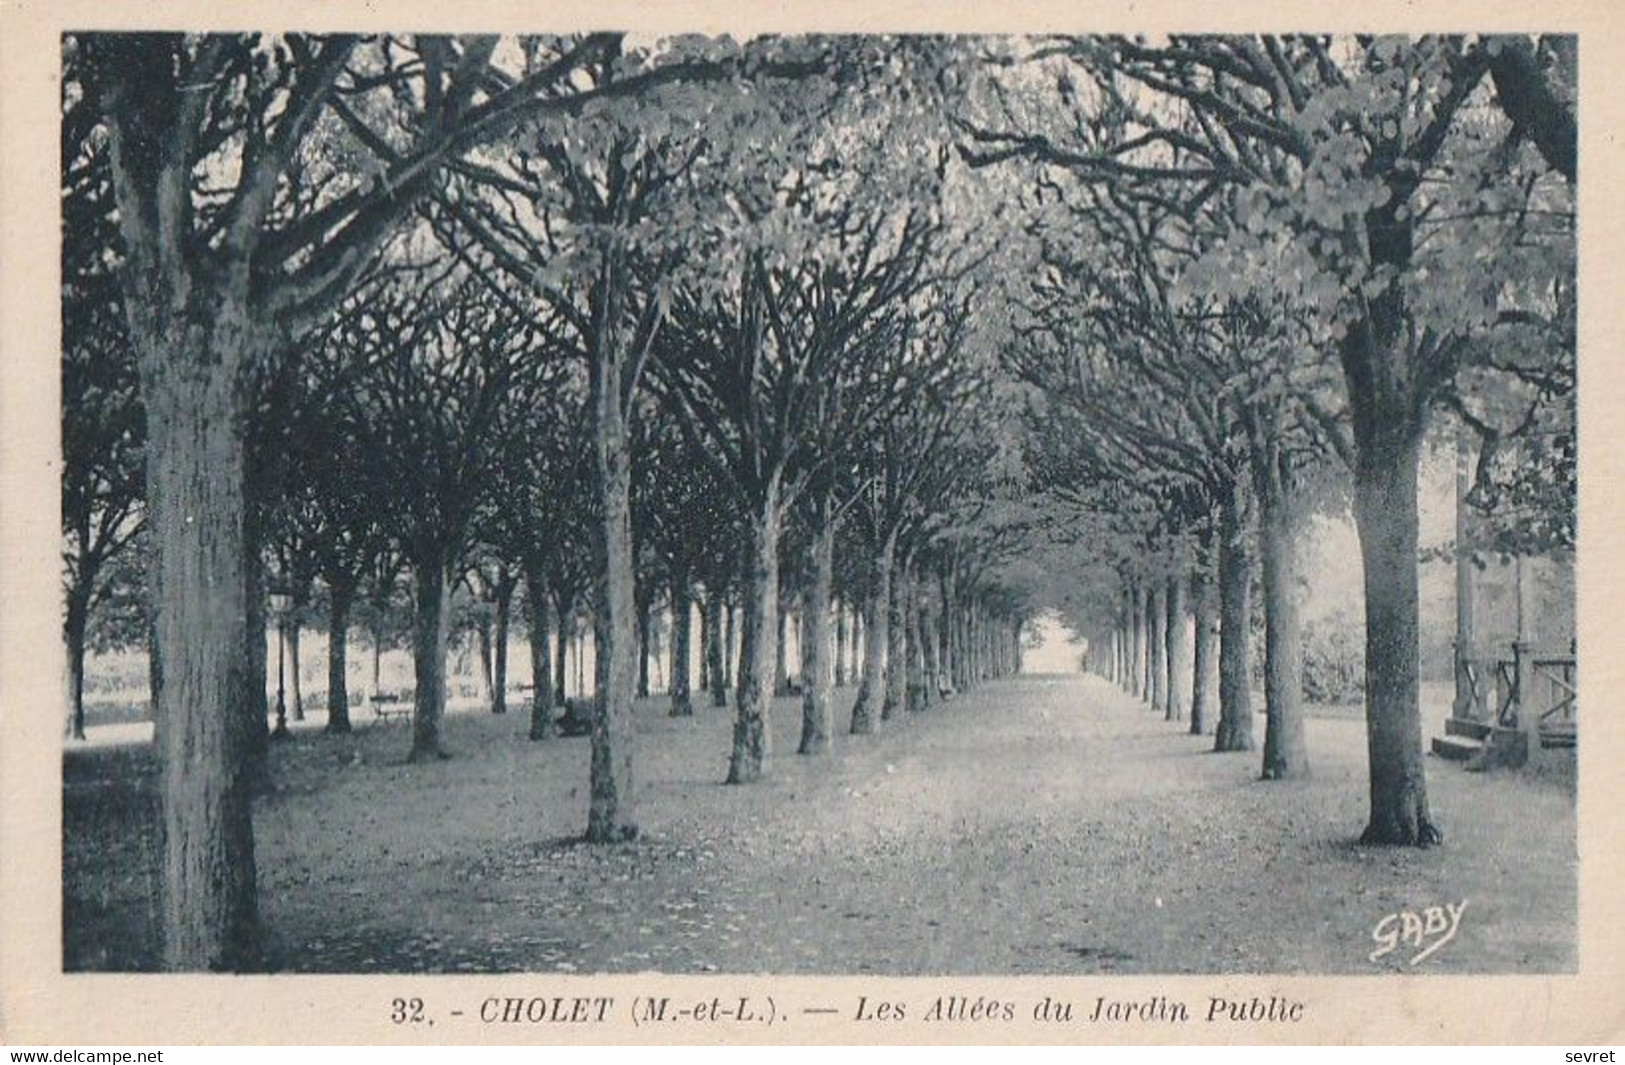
(817, 503)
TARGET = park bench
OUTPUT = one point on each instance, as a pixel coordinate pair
(386, 705)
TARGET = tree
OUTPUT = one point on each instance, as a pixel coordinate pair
(1406, 185)
(445, 370)
(538, 513)
(103, 423)
(254, 178)
(1374, 177)
(797, 355)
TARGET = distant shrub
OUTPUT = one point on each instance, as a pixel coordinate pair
(1334, 657)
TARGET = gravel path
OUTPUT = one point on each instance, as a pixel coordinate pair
(1039, 825)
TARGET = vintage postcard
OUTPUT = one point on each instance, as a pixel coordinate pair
(809, 523)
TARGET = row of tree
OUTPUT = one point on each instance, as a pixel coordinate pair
(1260, 265)
(504, 313)
(639, 326)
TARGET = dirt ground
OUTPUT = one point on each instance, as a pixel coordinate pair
(1045, 824)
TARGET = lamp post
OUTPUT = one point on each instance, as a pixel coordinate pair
(279, 606)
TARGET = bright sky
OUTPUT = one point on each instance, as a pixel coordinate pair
(1058, 653)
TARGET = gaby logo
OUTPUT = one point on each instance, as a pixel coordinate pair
(1426, 931)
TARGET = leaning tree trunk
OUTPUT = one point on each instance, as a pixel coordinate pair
(428, 654)
(758, 649)
(716, 667)
(816, 720)
(196, 514)
(682, 608)
(1235, 731)
(338, 659)
(872, 686)
(1174, 657)
(1205, 665)
(1285, 755)
(539, 613)
(1385, 512)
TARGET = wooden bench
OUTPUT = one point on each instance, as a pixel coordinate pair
(386, 705)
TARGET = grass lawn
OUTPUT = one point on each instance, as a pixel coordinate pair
(1044, 824)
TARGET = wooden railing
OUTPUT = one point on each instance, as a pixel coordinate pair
(1504, 691)
(1556, 680)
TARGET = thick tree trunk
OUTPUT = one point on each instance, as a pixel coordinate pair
(428, 655)
(682, 609)
(716, 659)
(612, 813)
(866, 710)
(1235, 730)
(1285, 755)
(1385, 512)
(759, 648)
(206, 700)
(539, 613)
(1155, 619)
(816, 720)
(338, 660)
(1174, 656)
(1204, 669)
